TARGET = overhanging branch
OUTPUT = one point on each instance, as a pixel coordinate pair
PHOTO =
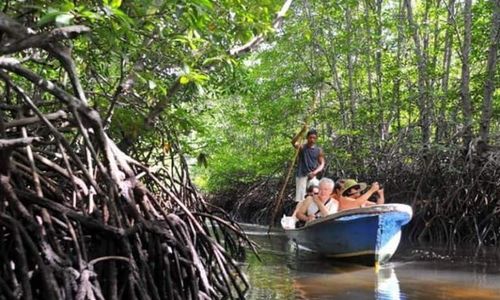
(43, 39)
(256, 41)
(235, 51)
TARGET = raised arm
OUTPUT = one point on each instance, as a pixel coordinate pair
(295, 139)
(348, 203)
(381, 198)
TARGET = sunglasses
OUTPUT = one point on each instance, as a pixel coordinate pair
(358, 191)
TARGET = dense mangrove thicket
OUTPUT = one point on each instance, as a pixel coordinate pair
(455, 201)
(402, 92)
(96, 201)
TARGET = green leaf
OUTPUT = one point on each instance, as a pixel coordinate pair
(116, 3)
(202, 159)
(48, 17)
(122, 16)
(204, 3)
(210, 60)
(67, 6)
(64, 19)
(197, 77)
(184, 80)
(89, 15)
(151, 84)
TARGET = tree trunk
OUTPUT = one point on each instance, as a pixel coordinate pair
(337, 83)
(350, 70)
(441, 131)
(368, 52)
(422, 78)
(489, 84)
(397, 80)
(378, 70)
(465, 79)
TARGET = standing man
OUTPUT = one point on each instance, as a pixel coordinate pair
(311, 161)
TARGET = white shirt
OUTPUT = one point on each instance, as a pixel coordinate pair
(332, 207)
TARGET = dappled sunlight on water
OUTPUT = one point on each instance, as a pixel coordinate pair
(289, 273)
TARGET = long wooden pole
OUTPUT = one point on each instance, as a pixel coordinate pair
(283, 188)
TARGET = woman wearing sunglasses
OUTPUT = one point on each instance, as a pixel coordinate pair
(352, 195)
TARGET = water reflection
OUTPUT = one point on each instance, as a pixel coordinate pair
(387, 285)
(354, 282)
(288, 273)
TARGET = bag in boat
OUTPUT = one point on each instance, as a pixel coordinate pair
(288, 222)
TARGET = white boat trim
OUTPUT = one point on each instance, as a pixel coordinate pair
(350, 254)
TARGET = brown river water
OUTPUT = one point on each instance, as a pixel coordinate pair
(414, 272)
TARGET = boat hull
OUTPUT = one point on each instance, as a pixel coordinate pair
(369, 235)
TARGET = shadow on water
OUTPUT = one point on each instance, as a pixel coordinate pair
(286, 272)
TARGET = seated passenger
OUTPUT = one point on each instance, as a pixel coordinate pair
(312, 189)
(320, 205)
(352, 197)
(339, 185)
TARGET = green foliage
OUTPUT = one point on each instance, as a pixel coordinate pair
(363, 109)
(234, 117)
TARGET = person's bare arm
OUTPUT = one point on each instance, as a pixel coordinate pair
(295, 140)
(381, 198)
(348, 203)
(297, 208)
(302, 209)
(322, 208)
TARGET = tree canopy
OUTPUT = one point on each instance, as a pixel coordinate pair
(375, 78)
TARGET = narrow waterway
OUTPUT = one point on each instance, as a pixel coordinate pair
(415, 272)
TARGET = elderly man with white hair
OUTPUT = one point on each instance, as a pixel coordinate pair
(320, 205)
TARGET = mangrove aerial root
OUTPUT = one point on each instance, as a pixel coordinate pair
(81, 219)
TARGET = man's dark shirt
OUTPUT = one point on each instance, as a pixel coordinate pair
(308, 160)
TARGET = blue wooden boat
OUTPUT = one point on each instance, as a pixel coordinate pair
(369, 235)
